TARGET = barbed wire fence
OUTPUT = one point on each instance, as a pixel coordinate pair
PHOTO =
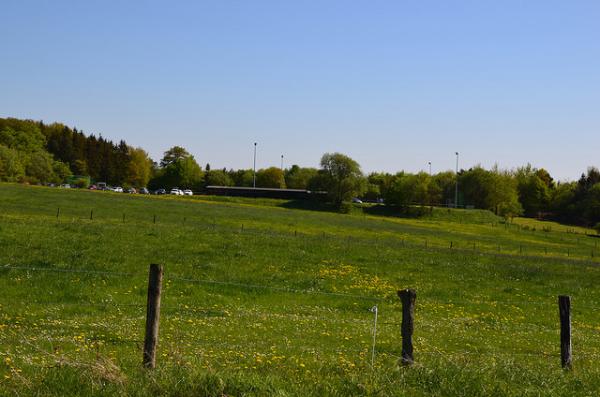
(406, 237)
(406, 326)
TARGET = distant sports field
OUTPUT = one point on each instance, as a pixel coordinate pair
(261, 300)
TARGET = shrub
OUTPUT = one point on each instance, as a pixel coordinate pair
(345, 207)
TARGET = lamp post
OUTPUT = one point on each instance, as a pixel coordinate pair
(430, 168)
(456, 186)
(282, 162)
(254, 173)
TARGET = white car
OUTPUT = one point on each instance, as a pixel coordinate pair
(176, 192)
(188, 192)
(118, 189)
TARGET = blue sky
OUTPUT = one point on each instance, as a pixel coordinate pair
(393, 84)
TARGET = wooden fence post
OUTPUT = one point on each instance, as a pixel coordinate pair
(91, 215)
(57, 212)
(408, 297)
(152, 315)
(154, 220)
(564, 309)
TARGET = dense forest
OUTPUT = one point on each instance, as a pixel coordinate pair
(34, 152)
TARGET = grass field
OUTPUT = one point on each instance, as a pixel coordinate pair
(259, 299)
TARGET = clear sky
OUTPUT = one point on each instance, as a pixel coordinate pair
(393, 84)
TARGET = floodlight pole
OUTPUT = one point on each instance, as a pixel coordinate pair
(430, 168)
(456, 186)
(282, 162)
(254, 173)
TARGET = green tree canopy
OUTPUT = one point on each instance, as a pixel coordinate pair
(297, 177)
(341, 176)
(271, 177)
(173, 155)
(40, 167)
(217, 178)
(409, 189)
(139, 167)
(11, 169)
(180, 170)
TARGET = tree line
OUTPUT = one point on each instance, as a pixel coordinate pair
(35, 152)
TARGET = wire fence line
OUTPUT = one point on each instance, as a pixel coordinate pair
(72, 270)
(198, 281)
(585, 254)
(475, 301)
(254, 313)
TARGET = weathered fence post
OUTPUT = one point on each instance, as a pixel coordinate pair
(152, 315)
(451, 244)
(57, 212)
(91, 215)
(564, 309)
(154, 220)
(408, 297)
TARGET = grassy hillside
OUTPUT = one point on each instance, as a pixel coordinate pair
(259, 299)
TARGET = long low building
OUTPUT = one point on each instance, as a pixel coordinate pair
(263, 192)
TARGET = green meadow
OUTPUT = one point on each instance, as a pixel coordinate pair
(263, 298)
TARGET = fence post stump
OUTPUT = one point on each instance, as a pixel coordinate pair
(408, 297)
(564, 309)
(152, 315)
(154, 219)
(91, 215)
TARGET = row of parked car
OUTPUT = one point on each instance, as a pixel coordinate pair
(118, 189)
(176, 192)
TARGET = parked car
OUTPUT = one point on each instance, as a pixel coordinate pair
(160, 191)
(131, 190)
(117, 189)
(175, 191)
(93, 187)
(65, 186)
(143, 190)
(357, 200)
(188, 192)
